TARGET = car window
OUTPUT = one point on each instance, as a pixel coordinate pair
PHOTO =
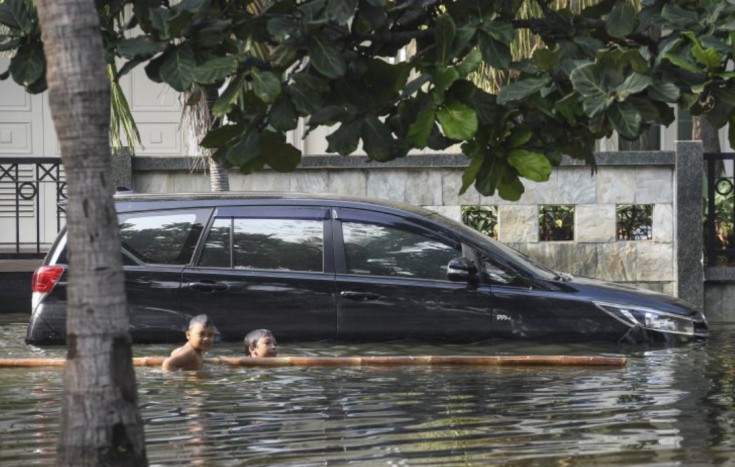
(495, 272)
(382, 250)
(167, 237)
(271, 244)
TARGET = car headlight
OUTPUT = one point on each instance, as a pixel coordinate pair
(649, 318)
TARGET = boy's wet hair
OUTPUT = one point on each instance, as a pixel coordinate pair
(253, 337)
(201, 319)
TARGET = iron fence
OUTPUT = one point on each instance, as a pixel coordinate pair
(719, 210)
(31, 189)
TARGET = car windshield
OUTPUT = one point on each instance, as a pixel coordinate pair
(495, 247)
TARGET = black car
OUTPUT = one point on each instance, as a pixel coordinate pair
(314, 267)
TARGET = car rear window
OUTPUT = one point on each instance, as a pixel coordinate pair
(163, 237)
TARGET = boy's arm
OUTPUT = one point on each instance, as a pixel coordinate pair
(179, 359)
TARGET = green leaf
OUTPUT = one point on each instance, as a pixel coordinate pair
(625, 120)
(377, 140)
(443, 79)
(245, 150)
(495, 53)
(731, 132)
(28, 65)
(667, 92)
(266, 85)
(229, 96)
(622, 20)
(219, 137)
(325, 56)
(159, 22)
(444, 33)
(708, 57)
(284, 54)
(470, 173)
(681, 62)
(500, 30)
(587, 80)
(140, 46)
(470, 63)
(519, 136)
(306, 93)
(420, 130)
(346, 138)
(458, 121)
(283, 115)
(519, 90)
(546, 59)
(633, 84)
(214, 70)
(341, 11)
(18, 16)
(176, 67)
(679, 17)
(725, 94)
(511, 190)
(278, 154)
(531, 165)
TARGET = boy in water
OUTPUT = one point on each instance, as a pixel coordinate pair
(261, 343)
(190, 356)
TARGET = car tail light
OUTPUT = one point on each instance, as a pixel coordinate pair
(45, 278)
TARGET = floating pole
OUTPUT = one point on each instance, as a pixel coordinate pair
(520, 360)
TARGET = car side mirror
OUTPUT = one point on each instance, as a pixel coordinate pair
(461, 270)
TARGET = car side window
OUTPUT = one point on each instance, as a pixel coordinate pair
(269, 244)
(161, 237)
(382, 250)
(495, 272)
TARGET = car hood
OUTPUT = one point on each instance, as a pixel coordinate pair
(598, 290)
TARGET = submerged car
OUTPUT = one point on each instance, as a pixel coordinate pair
(312, 267)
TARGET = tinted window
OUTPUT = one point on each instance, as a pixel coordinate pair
(389, 251)
(162, 237)
(280, 244)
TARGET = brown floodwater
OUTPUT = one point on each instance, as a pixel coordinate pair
(667, 406)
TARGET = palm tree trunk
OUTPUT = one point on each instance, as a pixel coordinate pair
(100, 423)
(703, 130)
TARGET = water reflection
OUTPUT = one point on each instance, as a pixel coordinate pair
(668, 406)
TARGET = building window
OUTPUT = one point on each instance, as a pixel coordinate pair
(481, 218)
(556, 223)
(634, 222)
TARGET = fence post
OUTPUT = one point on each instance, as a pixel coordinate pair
(689, 238)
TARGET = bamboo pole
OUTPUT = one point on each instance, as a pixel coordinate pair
(520, 360)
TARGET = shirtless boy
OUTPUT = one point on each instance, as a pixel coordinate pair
(200, 337)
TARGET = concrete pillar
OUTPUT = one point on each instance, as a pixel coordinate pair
(122, 169)
(689, 238)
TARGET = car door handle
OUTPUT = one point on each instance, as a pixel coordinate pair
(208, 286)
(359, 296)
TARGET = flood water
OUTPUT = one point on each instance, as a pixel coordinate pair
(668, 406)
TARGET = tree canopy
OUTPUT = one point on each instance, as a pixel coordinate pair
(391, 76)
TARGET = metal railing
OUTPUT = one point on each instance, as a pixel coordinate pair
(28, 185)
(719, 222)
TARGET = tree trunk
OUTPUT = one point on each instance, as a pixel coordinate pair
(100, 423)
(704, 131)
(219, 175)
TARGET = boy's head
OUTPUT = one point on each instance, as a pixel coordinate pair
(261, 343)
(200, 333)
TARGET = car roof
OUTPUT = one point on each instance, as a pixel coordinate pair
(129, 201)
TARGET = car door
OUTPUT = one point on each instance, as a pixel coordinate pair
(156, 245)
(392, 281)
(265, 267)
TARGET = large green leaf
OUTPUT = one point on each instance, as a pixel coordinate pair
(495, 53)
(519, 90)
(633, 84)
(443, 78)
(283, 115)
(18, 15)
(681, 62)
(667, 92)
(376, 138)
(346, 138)
(325, 56)
(458, 121)
(177, 67)
(219, 137)
(420, 130)
(341, 10)
(277, 153)
(470, 173)
(587, 80)
(708, 57)
(626, 120)
(470, 63)
(510, 188)
(28, 65)
(622, 20)
(444, 33)
(531, 165)
(266, 85)
(306, 93)
(229, 96)
(140, 46)
(679, 17)
(245, 150)
(501, 31)
(214, 70)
